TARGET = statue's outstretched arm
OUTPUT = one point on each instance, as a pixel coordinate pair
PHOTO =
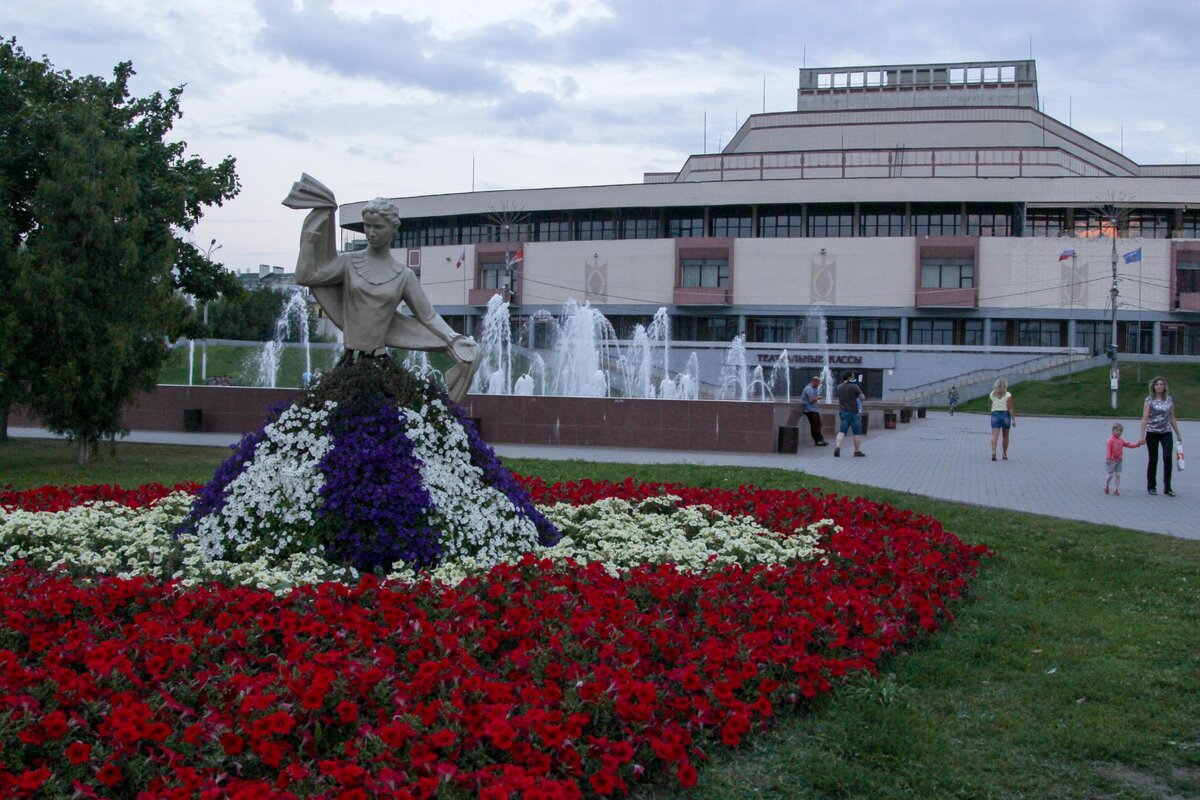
(315, 264)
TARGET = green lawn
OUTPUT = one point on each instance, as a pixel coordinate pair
(1087, 394)
(239, 363)
(1072, 673)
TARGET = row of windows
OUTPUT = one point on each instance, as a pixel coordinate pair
(813, 220)
(1134, 337)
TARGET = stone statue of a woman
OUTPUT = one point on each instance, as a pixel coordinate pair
(361, 291)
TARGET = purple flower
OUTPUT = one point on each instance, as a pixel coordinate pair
(376, 506)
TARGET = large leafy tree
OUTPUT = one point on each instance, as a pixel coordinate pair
(99, 250)
(31, 92)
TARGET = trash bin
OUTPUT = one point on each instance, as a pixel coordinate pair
(906, 415)
(789, 439)
(192, 419)
(889, 419)
(866, 421)
(921, 412)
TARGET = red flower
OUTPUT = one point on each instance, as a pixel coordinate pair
(78, 752)
(347, 712)
(110, 774)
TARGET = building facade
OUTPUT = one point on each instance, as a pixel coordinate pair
(930, 214)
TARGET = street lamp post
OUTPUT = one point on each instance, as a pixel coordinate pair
(212, 248)
(1114, 373)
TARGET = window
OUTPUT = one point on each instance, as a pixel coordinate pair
(879, 331)
(493, 275)
(555, 230)
(473, 233)
(1000, 333)
(734, 225)
(704, 329)
(1150, 224)
(639, 226)
(772, 329)
(1093, 335)
(947, 273)
(1039, 333)
(984, 221)
(936, 221)
(437, 234)
(973, 332)
(1091, 224)
(1050, 222)
(1187, 274)
(1190, 227)
(838, 330)
(514, 232)
(931, 331)
(830, 221)
(781, 225)
(703, 272)
(595, 229)
(683, 226)
(881, 221)
(409, 234)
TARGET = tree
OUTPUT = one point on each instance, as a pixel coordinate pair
(103, 260)
(30, 91)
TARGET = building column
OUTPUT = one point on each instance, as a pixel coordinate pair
(1156, 339)
(1070, 333)
(904, 330)
(987, 331)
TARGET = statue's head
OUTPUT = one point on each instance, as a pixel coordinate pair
(384, 209)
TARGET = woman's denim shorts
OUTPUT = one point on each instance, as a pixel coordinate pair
(1001, 420)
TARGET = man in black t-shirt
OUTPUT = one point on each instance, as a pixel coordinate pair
(849, 397)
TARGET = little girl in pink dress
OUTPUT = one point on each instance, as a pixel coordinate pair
(1114, 453)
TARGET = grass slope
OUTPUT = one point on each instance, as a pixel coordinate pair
(1087, 394)
(1072, 673)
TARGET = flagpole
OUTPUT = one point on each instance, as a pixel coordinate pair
(1070, 364)
(1141, 276)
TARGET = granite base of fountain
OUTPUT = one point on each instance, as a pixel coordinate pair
(691, 425)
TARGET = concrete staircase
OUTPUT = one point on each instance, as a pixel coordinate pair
(979, 382)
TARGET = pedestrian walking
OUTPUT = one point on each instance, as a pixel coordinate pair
(1002, 414)
(1114, 454)
(810, 402)
(850, 397)
(1158, 420)
(953, 399)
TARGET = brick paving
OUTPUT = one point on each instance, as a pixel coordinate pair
(1055, 466)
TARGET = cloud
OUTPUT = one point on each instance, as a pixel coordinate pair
(387, 48)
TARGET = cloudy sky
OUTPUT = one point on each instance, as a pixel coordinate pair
(400, 97)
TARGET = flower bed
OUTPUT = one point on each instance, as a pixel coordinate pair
(541, 679)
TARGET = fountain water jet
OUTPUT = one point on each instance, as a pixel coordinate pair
(296, 308)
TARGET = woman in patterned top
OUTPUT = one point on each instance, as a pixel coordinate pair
(1158, 420)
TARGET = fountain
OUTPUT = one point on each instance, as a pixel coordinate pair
(495, 346)
(816, 329)
(267, 363)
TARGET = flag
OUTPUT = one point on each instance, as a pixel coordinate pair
(515, 259)
(1070, 251)
(1133, 255)
(462, 259)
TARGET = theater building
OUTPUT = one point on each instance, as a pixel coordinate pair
(934, 217)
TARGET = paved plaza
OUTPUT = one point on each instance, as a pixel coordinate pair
(1055, 466)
